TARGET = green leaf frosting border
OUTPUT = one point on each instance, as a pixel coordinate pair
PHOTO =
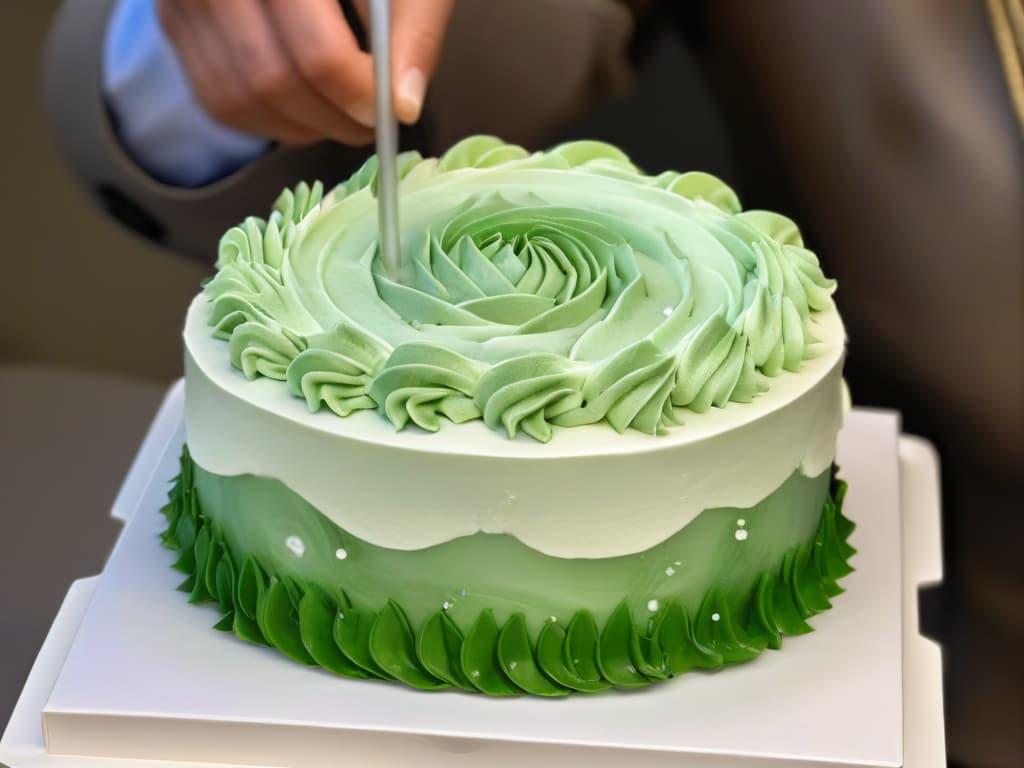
(310, 626)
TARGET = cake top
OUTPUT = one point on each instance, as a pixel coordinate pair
(557, 288)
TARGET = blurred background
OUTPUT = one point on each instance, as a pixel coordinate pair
(892, 133)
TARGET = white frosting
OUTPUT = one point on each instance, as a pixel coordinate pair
(588, 493)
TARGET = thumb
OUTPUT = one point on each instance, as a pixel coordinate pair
(418, 28)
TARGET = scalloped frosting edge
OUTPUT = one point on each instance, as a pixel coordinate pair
(315, 628)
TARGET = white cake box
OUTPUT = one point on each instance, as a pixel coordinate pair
(131, 670)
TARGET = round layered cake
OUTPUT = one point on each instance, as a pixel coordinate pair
(582, 438)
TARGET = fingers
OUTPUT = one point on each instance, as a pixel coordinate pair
(418, 28)
(251, 72)
(271, 78)
(294, 71)
(213, 79)
(325, 52)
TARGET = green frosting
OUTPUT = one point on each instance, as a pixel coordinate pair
(535, 290)
(732, 603)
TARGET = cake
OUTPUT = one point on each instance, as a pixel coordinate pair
(583, 439)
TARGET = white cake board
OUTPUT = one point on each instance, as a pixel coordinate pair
(130, 670)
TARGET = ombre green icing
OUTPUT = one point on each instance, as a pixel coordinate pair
(633, 620)
(536, 290)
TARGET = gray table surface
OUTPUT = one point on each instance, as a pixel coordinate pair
(66, 441)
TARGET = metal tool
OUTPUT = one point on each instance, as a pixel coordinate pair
(387, 137)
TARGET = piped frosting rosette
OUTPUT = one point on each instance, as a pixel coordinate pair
(557, 288)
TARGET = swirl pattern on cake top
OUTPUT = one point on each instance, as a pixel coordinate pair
(557, 288)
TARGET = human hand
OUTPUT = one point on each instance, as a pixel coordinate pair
(291, 70)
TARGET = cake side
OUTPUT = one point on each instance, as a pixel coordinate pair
(279, 573)
(377, 483)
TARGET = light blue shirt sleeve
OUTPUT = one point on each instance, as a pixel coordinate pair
(157, 119)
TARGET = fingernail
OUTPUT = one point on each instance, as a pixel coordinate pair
(363, 114)
(411, 90)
